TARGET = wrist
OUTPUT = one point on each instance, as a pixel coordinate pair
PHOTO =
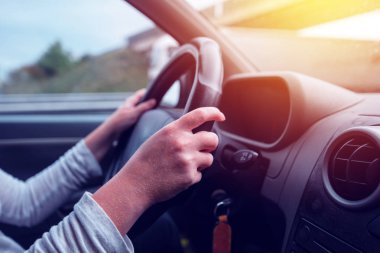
(137, 188)
(109, 129)
(100, 140)
(122, 202)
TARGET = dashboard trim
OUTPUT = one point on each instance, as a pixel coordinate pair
(307, 106)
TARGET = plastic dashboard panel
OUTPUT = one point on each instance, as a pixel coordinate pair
(267, 98)
(318, 113)
(270, 110)
(345, 228)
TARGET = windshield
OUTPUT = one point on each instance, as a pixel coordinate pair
(337, 41)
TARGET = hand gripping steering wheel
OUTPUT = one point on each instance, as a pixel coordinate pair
(201, 55)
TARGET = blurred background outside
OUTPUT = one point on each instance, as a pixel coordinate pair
(107, 46)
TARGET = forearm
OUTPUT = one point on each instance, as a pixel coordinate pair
(101, 139)
(123, 200)
(27, 203)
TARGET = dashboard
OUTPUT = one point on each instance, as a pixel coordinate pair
(315, 176)
(256, 109)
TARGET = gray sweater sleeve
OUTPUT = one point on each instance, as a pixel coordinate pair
(86, 229)
(27, 203)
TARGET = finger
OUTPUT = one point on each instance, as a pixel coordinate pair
(204, 160)
(145, 106)
(197, 177)
(199, 116)
(135, 98)
(140, 93)
(206, 141)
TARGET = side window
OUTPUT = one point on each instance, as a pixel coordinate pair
(78, 47)
(157, 47)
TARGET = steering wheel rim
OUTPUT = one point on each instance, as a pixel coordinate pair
(206, 88)
(204, 55)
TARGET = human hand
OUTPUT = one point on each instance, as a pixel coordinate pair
(167, 163)
(172, 159)
(129, 112)
(100, 140)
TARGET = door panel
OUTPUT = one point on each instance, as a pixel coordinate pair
(29, 143)
(36, 132)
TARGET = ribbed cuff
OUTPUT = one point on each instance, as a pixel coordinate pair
(92, 165)
(104, 226)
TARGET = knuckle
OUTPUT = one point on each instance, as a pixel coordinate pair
(168, 130)
(209, 160)
(214, 139)
(145, 106)
(197, 178)
(185, 161)
(179, 144)
(189, 178)
(186, 180)
(180, 160)
(202, 115)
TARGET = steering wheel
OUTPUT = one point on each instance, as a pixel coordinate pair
(202, 55)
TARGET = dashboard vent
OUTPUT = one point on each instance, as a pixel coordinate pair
(354, 168)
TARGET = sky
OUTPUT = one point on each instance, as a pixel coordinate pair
(28, 27)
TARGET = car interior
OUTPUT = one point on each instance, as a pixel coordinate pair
(297, 168)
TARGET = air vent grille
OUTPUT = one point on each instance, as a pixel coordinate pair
(354, 168)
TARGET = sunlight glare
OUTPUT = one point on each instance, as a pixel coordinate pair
(359, 27)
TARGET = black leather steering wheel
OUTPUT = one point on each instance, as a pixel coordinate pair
(204, 57)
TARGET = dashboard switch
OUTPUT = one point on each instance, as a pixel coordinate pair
(242, 159)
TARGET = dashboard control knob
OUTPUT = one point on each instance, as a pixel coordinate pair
(242, 159)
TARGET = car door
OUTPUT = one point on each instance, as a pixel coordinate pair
(35, 130)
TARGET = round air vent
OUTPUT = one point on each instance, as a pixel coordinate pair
(352, 168)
